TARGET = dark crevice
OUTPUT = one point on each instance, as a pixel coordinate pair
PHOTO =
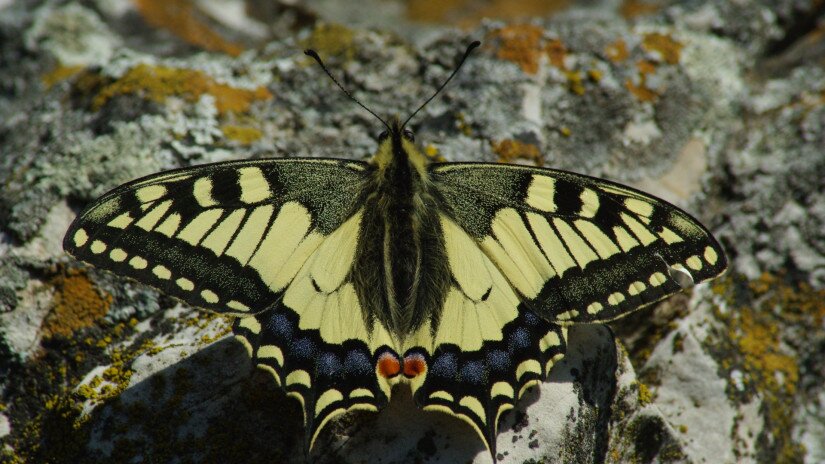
(801, 23)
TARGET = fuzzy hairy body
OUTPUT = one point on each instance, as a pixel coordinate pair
(408, 267)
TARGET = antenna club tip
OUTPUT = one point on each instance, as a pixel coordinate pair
(474, 44)
(311, 52)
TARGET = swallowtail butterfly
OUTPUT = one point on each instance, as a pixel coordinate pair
(349, 277)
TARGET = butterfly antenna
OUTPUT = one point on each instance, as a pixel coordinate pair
(314, 55)
(469, 50)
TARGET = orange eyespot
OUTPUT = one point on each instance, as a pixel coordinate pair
(388, 365)
(414, 365)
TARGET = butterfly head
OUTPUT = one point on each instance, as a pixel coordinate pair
(397, 144)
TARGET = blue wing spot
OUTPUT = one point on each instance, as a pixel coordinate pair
(303, 348)
(519, 339)
(445, 366)
(473, 372)
(281, 327)
(530, 318)
(357, 362)
(498, 360)
(328, 365)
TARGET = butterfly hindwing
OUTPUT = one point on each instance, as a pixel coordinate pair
(487, 348)
(315, 340)
(577, 248)
(226, 237)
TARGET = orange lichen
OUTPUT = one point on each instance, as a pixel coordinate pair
(668, 48)
(60, 73)
(521, 44)
(77, 305)
(330, 39)
(185, 20)
(556, 51)
(617, 51)
(468, 13)
(640, 89)
(509, 150)
(633, 8)
(157, 83)
(242, 134)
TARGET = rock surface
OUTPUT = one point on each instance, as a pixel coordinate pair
(718, 107)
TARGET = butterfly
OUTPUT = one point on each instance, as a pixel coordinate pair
(350, 277)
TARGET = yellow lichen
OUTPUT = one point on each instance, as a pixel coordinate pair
(432, 152)
(756, 342)
(59, 74)
(157, 83)
(617, 51)
(330, 39)
(509, 150)
(183, 19)
(77, 305)
(668, 48)
(242, 134)
(645, 396)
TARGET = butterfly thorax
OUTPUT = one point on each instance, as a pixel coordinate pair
(402, 209)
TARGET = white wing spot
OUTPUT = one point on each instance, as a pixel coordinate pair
(237, 306)
(567, 315)
(185, 284)
(594, 308)
(636, 287)
(694, 263)
(615, 298)
(209, 296)
(98, 247)
(81, 237)
(710, 255)
(118, 255)
(138, 263)
(161, 272)
(657, 278)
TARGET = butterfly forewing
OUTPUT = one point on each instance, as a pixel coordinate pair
(225, 237)
(576, 248)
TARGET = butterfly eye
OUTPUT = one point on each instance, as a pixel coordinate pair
(408, 134)
(383, 136)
